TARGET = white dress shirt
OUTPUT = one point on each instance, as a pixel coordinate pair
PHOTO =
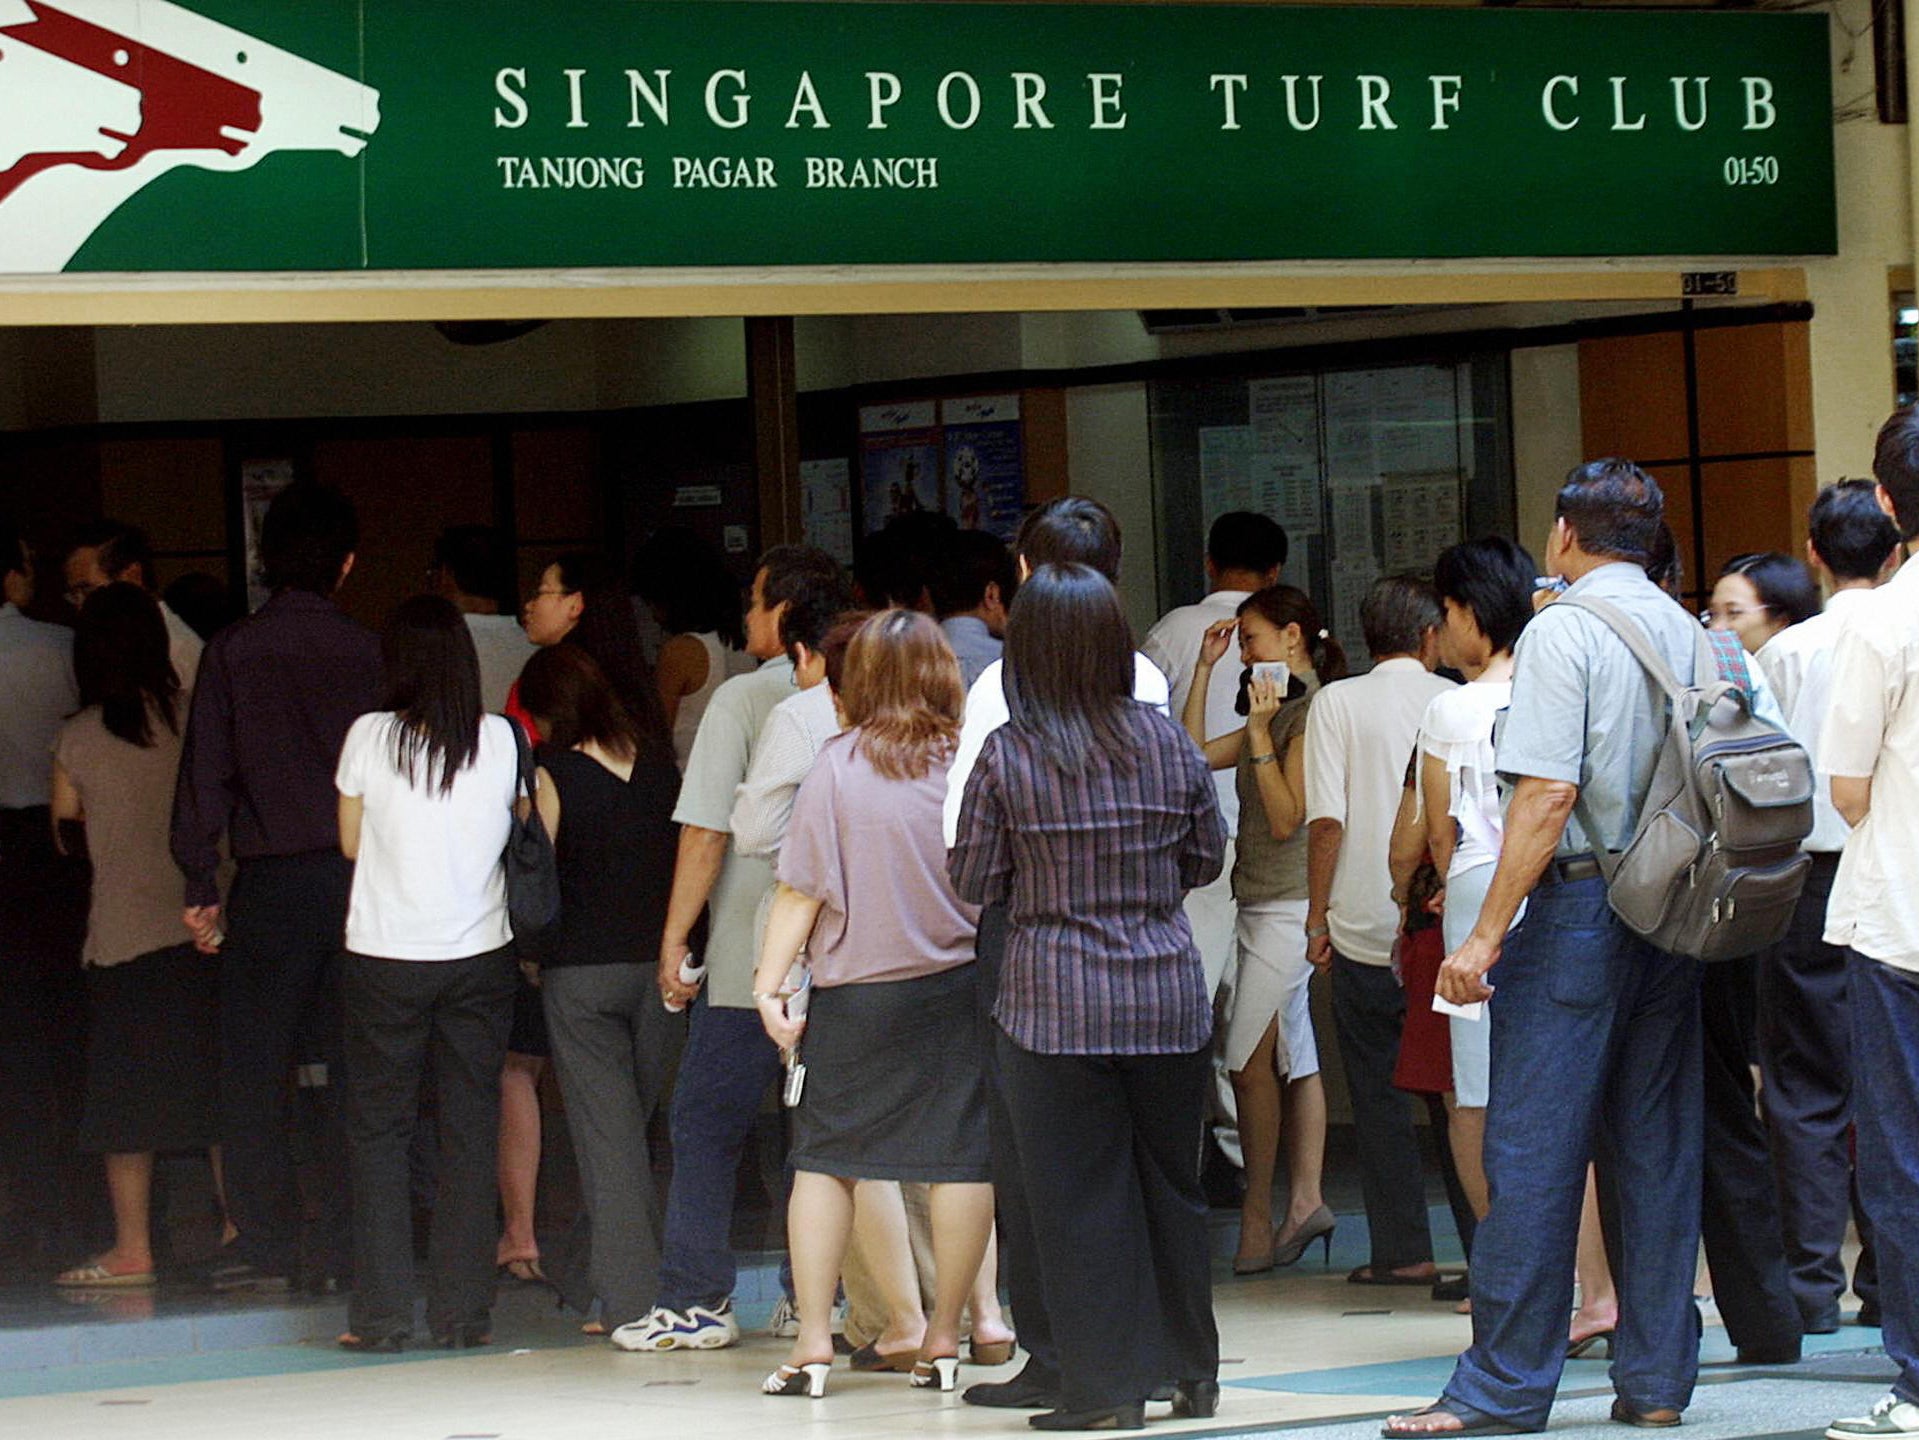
(1359, 739)
(1173, 645)
(183, 646)
(1871, 733)
(986, 712)
(1798, 666)
(36, 677)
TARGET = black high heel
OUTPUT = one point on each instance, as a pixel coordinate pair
(1112, 1417)
(1196, 1399)
(1577, 1349)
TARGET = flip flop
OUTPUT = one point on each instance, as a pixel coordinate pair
(98, 1277)
(1471, 1422)
(1364, 1276)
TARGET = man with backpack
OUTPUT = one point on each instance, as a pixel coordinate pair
(1596, 1038)
(1870, 748)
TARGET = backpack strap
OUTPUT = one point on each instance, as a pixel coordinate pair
(528, 781)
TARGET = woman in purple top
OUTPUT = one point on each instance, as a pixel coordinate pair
(893, 1086)
(1093, 815)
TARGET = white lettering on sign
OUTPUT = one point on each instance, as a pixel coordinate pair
(571, 172)
(1374, 92)
(511, 88)
(1679, 84)
(740, 101)
(724, 172)
(1619, 120)
(1548, 106)
(946, 101)
(1761, 112)
(808, 99)
(902, 172)
(653, 98)
(1106, 112)
(884, 89)
(1229, 87)
(1445, 98)
(1292, 101)
(1029, 95)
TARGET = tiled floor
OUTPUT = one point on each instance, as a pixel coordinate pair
(1301, 1348)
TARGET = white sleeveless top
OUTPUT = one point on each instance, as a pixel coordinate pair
(722, 664)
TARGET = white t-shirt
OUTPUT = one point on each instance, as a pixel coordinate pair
(1173, 646)
(503, 650)
(986, 711)
(1872, 733)
(430, 883)
(1458, 731)
(1359, 739)
(1798, 665)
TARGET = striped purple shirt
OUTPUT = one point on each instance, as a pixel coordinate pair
(1095, 867)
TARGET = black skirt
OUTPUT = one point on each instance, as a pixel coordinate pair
(153, 1054)
(894, 1088)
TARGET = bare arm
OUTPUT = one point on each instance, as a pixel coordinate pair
(1221, 753)
(546, 796)
(352, 812)
(1852, 798)
(788, 924)
(696, 870)
(66, 804)
(1442, 831)
(1282, 788)
(1407, 848)
(1323, 839)
(681, 671)
(1534, 823)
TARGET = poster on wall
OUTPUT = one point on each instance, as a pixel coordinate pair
(1285, 480)
(260, 481)
(826, 501)
(1225, 470)
(985, 464)
(899, 461)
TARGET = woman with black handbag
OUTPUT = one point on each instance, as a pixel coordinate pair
(427, 788)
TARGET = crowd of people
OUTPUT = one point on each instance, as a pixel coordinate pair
(1016, 919)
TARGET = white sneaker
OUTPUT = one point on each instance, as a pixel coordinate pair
(785, 1324)
(1891, 1416)
(695, 1328)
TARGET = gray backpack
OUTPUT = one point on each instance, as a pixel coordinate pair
(1714, 869)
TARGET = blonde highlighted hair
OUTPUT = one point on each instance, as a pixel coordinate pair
(902, 692)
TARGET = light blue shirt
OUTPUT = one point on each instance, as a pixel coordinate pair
(36, 676)
(1583, 710)
(975, 646)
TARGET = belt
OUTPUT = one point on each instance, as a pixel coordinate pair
(1570, 868)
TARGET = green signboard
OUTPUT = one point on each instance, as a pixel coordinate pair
(139, 135)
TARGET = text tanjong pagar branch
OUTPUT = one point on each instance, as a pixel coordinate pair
(725, 101)
(501, 134)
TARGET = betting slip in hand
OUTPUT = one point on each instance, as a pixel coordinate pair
(1474, 1011)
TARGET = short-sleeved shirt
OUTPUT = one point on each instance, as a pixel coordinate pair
(36, 676)
(869, 849)
(974, 646)
(1458, 732)
(721, 756)
(1359, 738)
(1173, 646)
(790, 742)
(1798, 665)
(1872, 733)
(503, 650)
(429, 883)
(1094, 867)
(127, 793)
(1584, 712)
(1266, 869)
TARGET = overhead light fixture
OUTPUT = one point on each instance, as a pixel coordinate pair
(1909, 317)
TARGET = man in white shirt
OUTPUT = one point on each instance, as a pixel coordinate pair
(1359, 741)
(1244, 552)
(1805, 1035)
(472, 569)
(972, 586)
(728, 1063)
(1870, 748)
(107, 551)
(1068, 531)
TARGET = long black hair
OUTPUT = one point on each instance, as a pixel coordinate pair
(679, 573)
(563, 689)
(607, 631)
(121, 661)
(1493, 578)
(432, 676)
(1069, 666)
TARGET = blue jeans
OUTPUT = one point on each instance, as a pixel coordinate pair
(1596, 1043)
(1885, 1078)
(724, 1074)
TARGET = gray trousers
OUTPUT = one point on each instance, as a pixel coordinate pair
(613, 1047)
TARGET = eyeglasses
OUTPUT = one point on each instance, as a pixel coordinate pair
(77, 594)
(538, 593)
(1730, 614)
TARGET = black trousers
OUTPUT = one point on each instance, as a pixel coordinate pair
(1745, 1241)
(403, 1016)
(1109, 1151)
(57, 1193)
(1805, 1050)
(279, 1001)
(1018, 1246)
(1369, 1012)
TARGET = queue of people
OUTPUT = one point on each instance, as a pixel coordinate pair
(1013, 917)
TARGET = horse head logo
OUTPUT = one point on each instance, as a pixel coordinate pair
(99, 98)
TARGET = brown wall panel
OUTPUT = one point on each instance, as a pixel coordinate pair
(1632, 396)
(1745, 392)
(1748, 507)
(556, 484)
(174, 488)
(406, 489)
